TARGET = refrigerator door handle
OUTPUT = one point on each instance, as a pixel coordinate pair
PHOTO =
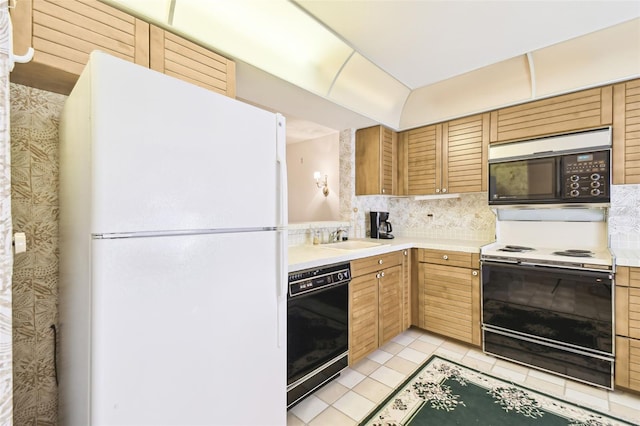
(282, 217)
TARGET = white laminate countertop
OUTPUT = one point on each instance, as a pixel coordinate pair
(310, 256)
(626, 256)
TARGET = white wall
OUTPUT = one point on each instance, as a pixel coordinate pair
(306, 201)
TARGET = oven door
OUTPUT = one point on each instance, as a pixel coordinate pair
(572, 308)
(317, 337)
(525, 181)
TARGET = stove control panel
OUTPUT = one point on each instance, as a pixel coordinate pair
(586, 175)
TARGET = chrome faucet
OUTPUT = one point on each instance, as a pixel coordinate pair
(337, 235)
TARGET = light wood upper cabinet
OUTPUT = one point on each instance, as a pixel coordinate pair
(449, 294)
(626, 133)
(421, 152)
(566, 113)
(375, 303)
(627, 314)
(375, 161)
(443, 158)
(175, 56)
(64, 32)
(465, 154)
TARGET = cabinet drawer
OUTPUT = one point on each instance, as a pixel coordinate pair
(450, 258)
(375, 263)
(628, 276)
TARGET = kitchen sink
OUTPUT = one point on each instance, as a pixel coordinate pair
(352, 245)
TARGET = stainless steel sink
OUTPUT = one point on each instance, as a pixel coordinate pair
(352, 245)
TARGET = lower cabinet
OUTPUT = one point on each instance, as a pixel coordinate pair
(449, 294)
(627, 367)
(376, 303)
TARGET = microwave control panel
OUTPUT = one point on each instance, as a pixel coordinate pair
(586, 175)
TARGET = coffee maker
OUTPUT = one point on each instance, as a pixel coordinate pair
(380, 225)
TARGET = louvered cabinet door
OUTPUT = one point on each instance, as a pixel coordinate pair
(626, 133)
(424, 147)
(375, 161)
(64, 32)
(175, 56)
(390, 304)
(465, 144)
(363, 321)
(566, 113)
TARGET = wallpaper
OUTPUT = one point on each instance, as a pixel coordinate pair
(6, 256)
(624, 217)
(34, 151)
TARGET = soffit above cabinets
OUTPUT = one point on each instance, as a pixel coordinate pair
(410, 63)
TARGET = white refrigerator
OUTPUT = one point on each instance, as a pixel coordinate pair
(172, 294)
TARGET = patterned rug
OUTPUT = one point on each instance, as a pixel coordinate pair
(443, 392)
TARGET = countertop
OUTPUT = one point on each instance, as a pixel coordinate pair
(626, 256)
(310, 256)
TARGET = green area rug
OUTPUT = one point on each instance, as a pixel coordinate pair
(443, 392)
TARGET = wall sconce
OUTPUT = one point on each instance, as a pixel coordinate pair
(322, 185)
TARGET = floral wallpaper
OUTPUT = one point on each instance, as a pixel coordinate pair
(6, 250)
(34, 189)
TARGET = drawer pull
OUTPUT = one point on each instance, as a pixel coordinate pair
(445, 257)
(380, 262)
(381, 274)
(474, 273)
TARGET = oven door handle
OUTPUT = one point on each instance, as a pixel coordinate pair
(546, 268)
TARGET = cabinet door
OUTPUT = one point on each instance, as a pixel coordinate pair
(363, 323)
(406, 289)
(390, 304)
(465, 154)
(627, 371)
(448, 304)
(423, 147)
(63, 33)
(175, 56)
(575, 111)
(375, 161)
(626, 133)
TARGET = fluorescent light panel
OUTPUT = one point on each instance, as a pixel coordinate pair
(281, 39)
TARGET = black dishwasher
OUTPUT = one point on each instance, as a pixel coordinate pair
(317, 328)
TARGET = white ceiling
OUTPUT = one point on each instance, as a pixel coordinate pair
(421, 42)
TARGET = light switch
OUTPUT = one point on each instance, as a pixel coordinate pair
(20, 242)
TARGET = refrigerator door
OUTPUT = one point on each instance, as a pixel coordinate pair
(185, 331)
(171, 156)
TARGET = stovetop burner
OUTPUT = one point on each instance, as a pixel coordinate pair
(574, 253)
(515, 249)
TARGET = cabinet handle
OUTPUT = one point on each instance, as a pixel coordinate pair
(380, 262)
(437, 189)
(383, 190)
(444, 190)
(445, 257)
(405, 252)
(474, 273)
(381, 274)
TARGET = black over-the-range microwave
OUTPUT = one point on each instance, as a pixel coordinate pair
(573, 168)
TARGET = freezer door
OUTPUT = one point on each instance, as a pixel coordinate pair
(185, 331)
(168, 155)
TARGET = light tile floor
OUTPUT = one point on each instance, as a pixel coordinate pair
(348, 399)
